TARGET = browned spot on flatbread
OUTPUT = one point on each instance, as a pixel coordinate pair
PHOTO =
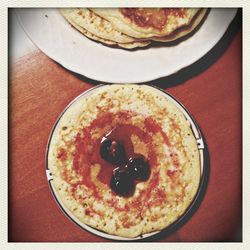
(156, 18)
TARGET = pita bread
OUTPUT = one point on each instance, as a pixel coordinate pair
(164, 138)
(131, 28)
(98, 29)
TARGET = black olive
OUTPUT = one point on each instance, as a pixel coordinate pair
(138, 167)
(121, 182)
(112, 151)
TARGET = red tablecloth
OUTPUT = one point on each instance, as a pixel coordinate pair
(39, 89)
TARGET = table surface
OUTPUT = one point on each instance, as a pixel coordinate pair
(39, 89)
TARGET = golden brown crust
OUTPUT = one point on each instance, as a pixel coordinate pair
(175, 173)
(182, 32)
(164, 27)
(155, 18)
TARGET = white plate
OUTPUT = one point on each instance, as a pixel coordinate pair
(183, 218)
(60, 41)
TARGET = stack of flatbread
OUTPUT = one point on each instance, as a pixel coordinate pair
(135, 27)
